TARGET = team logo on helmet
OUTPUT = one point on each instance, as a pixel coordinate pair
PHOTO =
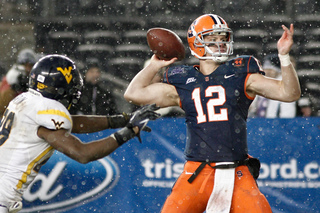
(191, 30)
(190, 34)
(66, 73)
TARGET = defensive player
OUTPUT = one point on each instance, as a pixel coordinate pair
(215, 96)
(38, 122)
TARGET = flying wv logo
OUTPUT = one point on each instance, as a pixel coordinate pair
(57, 124)
(66, 73)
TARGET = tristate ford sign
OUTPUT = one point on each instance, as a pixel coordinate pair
(70, 184)
(138, 177)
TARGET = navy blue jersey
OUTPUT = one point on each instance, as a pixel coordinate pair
(216, 108)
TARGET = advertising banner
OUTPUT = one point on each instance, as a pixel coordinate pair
(289, 153)
(138, 177)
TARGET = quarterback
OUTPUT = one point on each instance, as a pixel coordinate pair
(37, 122)
(215, 94)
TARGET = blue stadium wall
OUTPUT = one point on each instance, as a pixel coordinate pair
(138, 177)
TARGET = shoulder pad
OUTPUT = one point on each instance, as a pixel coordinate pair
(177, 70)
(173, 73)
(249, 64)
(53, 115)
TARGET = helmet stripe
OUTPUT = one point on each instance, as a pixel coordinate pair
(214, 19)
(221, 20)
(218, 20)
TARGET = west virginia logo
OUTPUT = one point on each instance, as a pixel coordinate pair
(66, 72)
(57, 124)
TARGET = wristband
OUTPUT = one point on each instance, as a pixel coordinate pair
(123, 135)
(284, 60)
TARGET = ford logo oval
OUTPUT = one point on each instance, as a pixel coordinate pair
(64, 183)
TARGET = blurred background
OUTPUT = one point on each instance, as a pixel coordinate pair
(114, 31)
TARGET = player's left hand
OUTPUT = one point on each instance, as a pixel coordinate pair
(137, 122)
(286, 41)
(141, 117)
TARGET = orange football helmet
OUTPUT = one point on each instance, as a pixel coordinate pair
(210, 24)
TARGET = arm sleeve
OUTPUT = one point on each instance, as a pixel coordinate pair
(175, 75)
(54, 116)
(255, 66)
(246, 64)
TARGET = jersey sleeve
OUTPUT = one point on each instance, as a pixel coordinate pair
(247, 64)
(175, 75)
(255, 65)
(53, 115)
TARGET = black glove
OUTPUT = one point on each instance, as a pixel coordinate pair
(117, 121)
(121, 120)
(139, 118)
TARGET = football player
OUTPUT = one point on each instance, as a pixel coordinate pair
(37, 122)
(218, 176)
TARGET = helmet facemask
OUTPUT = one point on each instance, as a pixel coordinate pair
(217, 56)
(71, 95)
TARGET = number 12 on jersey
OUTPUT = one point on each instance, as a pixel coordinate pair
(211, 104)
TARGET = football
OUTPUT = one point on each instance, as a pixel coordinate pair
(165, 44)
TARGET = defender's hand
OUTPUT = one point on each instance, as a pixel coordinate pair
(139, 119)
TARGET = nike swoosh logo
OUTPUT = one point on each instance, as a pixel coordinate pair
(189, 173)
(228, 76)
